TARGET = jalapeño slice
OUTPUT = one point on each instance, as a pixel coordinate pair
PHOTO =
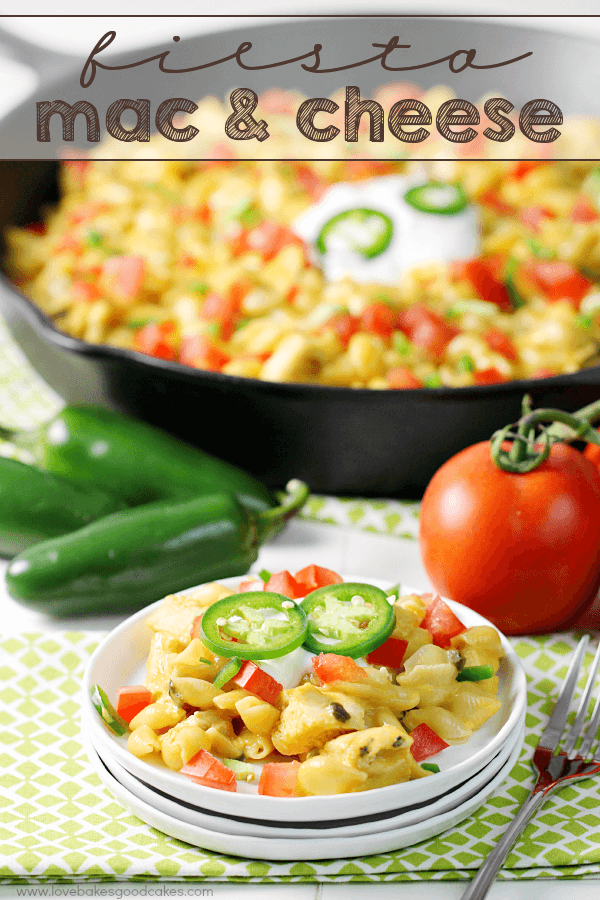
(348, 619)
(364, 231)
(107, 712)
(437, 197)
(254, 625)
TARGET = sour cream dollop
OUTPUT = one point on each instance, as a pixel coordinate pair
(417, 237)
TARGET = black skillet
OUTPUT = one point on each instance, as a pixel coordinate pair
(341, 440)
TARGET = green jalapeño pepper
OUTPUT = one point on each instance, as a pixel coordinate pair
(133, 460)
(131, 558)
(254, 625)
(348, 619)
(437, 197)
(37, 505)
(364, 231)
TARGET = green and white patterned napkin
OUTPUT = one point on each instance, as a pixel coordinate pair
(57, 822)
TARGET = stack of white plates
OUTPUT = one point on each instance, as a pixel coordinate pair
(300, 828)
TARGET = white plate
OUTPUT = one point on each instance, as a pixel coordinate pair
(290, 848)
(120, 659)
(185, 812)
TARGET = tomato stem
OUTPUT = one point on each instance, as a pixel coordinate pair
(526, 452)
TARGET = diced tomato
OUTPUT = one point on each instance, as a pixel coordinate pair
(156, 339)
(252, 678)
(390, 653)
(400, 377)
(441, 623)
(489, 376)
(522, 168)
(584, 211)
(38, 228)
(222, 310)
(544, 373)
(86, 211)
(279, 779)
(69, 242)
(238, 290)
(357, 169)
(124, 275)
(500, 342)
(312, 577)
(206, 769)
(78, 169)
(378, 318)
(426, 329)
(310, 182)
(533, 216)
(492, 198)
(284, 583)
(253, 584)
(331, 667)
(344, 325)
(558, 280)
(269, 238)
(425, 743)
(484, 277)
(200, 353)
(84, 292)
(195, 629)
(132, 699)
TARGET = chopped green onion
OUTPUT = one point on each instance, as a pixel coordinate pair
(479, 307)
(205, 661)
(475, 673)
(384, 298)
(241, 324)
(265, 575)
(430, 767)
(243, 771)
(539, 250)
(139, 323)
(433, 381)
(229, 671)
(214, 329)
(200, 287)
(465, 363)
(583, 321)
(401, 343)
(163, 191)
(591, 186)
(437, 197)
(94, 239)
(249, 215)
(516, 299)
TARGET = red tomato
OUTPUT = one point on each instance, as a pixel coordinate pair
(83, 291)
(558, 280)
(484, 275)
(199, 352)
(269, 238)
(344, 325)
(592, 452)
(400, 378)
(492, 198)
(279, 779)
(252, 678)
(253, 584)
(222, 310)
(124, 275)
(426, 329)
(195, 629)
(441, 623)
(313, 577)
(155, 339)
(522, 550)
(584, 211)
(426, 743)
(378, 318)
(523, 168)
(390, 653)
(331, 667)
(489, 376)
(132, 699)
(206, 769)
(284, 583)
(500, 342)
(533, 216)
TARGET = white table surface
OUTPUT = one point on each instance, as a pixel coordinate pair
(348, 550)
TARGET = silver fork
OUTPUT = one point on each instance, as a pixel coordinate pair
(554, 768)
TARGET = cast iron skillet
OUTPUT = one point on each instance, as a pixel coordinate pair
(341, 440)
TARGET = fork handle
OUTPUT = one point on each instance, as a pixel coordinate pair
(480, 884)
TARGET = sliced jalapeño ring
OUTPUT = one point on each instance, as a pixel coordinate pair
(348, 619)
(254, 625)
(367, 232)
(437, 197)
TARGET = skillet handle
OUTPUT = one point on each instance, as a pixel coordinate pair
(48, 64)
